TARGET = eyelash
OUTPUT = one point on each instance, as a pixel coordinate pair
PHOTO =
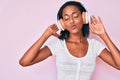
(76, 16)
(66, 19)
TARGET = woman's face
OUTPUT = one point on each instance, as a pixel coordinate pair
(72, 19)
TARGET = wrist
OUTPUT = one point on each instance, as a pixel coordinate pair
(103, 34)
(47, 34)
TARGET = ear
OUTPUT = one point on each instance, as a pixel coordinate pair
(86, 17)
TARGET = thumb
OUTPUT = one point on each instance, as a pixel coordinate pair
(57, 35)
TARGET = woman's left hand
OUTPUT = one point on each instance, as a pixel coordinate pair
(97, 26)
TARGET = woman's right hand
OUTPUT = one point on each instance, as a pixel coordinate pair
(52, 30)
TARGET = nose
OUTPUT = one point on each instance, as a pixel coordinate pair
(71, 20)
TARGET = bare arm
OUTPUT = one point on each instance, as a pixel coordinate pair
(35, 53)
(111, 56)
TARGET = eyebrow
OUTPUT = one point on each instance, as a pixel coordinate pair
(72, 13)
(75, 13)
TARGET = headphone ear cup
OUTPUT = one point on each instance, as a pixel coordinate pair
(86, 17)
(62, 24)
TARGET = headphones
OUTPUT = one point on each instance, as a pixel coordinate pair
(60, 25)
(85, 17)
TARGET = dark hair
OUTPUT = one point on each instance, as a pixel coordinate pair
(85, 28)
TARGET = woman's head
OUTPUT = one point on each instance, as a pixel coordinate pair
(70, 3)
(71, 13)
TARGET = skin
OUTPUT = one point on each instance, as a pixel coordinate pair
(76, 43)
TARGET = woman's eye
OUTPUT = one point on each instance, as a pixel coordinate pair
(75, 16)
(66, 19)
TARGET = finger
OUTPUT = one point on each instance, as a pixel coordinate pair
(90, 19)
(100, 20)
(54, 27)
(92, 24)
(92, 27)
(94, 20)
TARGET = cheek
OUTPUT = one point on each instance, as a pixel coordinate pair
(79, 23)
(67, 24)
(80, 20)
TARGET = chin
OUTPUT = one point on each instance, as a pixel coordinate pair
(75, 32)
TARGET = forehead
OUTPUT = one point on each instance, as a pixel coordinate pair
(70, 10)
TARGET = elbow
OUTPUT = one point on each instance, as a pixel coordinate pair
(117, 67)
(23, 64)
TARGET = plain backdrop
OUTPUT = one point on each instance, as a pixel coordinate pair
(22, 22)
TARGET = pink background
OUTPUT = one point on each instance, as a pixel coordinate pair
(23, 21)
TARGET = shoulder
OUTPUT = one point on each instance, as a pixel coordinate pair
(55, 45)
(55, 42)
(96, 46)
(93, 41)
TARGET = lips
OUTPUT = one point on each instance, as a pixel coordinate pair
(73, 26)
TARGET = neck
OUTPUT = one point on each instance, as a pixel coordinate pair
(77, 38)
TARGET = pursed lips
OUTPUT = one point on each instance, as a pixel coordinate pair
(73, 26)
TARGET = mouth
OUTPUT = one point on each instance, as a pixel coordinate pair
(73, 27)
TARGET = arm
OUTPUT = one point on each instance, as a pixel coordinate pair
(35, 53)
(111, 56)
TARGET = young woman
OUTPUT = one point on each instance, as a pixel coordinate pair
(75, 53)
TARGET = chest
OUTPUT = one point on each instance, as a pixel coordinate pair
(70, 56)
(77, 50)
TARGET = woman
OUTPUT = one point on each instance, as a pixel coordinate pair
(75, 53)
